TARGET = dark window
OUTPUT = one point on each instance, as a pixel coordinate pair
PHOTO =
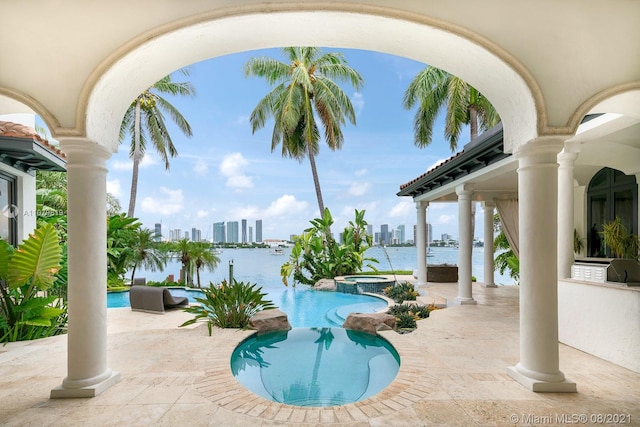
(10, 213)
(611, 194)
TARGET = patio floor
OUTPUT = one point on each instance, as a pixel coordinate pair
(453, 372)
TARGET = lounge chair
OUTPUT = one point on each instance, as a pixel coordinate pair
(139, 281)
(154, 300)
(625, 271)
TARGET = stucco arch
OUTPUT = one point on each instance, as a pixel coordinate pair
(17, 103)
(144, 60)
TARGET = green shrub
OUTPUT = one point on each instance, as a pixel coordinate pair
(406, 321)
(228, 306)
(401, 292)
(417, 311)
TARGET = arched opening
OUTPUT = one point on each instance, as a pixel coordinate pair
(611, 194)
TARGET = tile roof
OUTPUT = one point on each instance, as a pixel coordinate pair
(17, 130)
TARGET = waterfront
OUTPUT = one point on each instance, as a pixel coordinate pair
(262, 267)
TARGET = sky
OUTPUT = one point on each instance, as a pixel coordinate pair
(226, 173)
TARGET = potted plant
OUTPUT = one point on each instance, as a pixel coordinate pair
(622, 243)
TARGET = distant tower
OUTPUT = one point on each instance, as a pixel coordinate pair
(244, 231)
(250, 235)
(177, 234)
(370, 230)
(384, 234)
(259, 231)
(429, 233)
(232, 232)
(158, 232)
(401, 234)
(219, 235)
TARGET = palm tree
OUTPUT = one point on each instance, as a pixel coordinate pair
(146, 252)
(434, 88)
(305, 91)
(144, 121)
(183, 249)
(203, 257)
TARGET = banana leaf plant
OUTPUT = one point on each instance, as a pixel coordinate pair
(26, 274)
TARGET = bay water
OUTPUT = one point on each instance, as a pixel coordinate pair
(262, 266)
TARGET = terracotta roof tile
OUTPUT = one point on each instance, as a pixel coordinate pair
(17, 130)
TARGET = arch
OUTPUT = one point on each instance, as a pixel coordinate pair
(622, 99)
(15, 102)
(505, 81)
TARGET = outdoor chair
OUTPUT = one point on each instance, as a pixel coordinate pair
(154, 300)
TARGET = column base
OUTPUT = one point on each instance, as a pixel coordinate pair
(490, 285)
(540, 386)
(465, 301)
(62, 392)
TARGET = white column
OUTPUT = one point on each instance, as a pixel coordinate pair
(87, 372)
(538, 368)
(566, 158)
(489, 267)
(421, 241)
(465, 244)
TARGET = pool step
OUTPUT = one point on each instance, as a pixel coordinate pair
(431, 299)
(334, 318)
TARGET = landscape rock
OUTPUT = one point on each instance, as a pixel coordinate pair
(272, 320)
(325, 285)
(370, 323)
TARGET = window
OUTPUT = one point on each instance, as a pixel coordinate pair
(611, 194)
(9, 205)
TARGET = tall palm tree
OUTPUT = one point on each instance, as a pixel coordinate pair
(184, 251)
(432, 89)
(305, 92)
(144, 121)
(203, 257)
(146, 252)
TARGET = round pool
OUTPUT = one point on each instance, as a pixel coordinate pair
(315, 366)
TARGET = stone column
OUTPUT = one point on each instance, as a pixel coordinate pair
(87, 372)
(566, 158)
(538, 368)
(465, 244)
(421, 241)
(489, 267)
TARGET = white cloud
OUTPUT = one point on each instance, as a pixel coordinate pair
(358, 102)
(436, 164)
(359, 188)
(147, 160)
(361, 172)
(201, 167)
(286, 205)
(202, 214)
(446, 219)
(403, 208)
(170, 202)
(232, 167)
(114, 188)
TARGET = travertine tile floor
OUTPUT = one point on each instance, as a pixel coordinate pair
(453, 372)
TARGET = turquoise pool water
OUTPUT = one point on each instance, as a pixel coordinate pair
(304, 307)
(315, 366)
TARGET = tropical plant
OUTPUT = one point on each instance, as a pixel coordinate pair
(305, 91)
(622, 243)
(146, 252)
(316, 254)
(228, 306)
(403, 291)
(203, 257)
(26, 275)
(122, 232)
(506, 260)
(144, 122)
(578, 242)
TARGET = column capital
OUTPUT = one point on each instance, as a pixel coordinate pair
(423, 204)
(464, 190)
(84, 151)
(489, 204)
(540, 150)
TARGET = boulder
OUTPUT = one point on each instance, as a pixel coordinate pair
(325, 285)
(370, 323)
(269, 321)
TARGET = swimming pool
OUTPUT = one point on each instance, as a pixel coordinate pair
(305, 307)
(315, 366)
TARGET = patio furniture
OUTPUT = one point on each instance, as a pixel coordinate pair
(139, 281)
(625, 271)
(154, 300)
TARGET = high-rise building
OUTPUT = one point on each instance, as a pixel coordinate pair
(259, 230)
(401, 234)
(186, 235)
(370, 230)
(177, 234)
(429, 233)
(219, 235)
(384, 234)
(232, 232)
(158, 232)
(250, 235)
(446, 236)
(196, 234)
(244, 231)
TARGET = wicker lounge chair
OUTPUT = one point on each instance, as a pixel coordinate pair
(154, 300)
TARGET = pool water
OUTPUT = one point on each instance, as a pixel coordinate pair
(304, 307)
(315, 366)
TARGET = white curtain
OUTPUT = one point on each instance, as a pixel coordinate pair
(508, 212)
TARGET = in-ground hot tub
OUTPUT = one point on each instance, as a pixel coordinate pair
(363, 283)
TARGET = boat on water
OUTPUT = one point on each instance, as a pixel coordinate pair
(277, 251)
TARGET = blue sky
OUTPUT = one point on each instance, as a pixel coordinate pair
(226, 173)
